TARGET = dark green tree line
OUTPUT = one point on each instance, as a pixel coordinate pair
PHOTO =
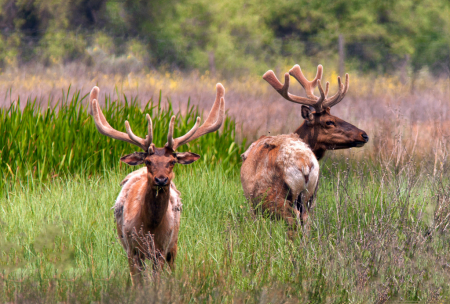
(230, 36)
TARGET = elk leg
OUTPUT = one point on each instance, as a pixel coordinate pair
(283, 209)
(171, 257)
(303, 203)
(278, 209)
(135, 264)
(303, 214)
(157, 265)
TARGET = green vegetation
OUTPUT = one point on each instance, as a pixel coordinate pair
(232, 37)
(44, 142)
(377, 234)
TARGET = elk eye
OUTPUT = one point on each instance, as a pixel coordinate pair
(330, 123)
(173, 163)
(148, 163)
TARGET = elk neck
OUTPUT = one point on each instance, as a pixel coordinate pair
(309, 135)
(155, 206)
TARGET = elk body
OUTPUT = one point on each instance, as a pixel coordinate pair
(290, 196)
(280, 173)
(147, 210)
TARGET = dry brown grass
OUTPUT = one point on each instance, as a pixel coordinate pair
(384, 106)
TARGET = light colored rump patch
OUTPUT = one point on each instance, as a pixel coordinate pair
(313, 176)
(297, 161)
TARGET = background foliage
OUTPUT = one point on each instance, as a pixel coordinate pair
(227, 36)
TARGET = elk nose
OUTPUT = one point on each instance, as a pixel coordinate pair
(162, 181)
(365, 137)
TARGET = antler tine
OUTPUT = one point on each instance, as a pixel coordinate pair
(149, 138)
(323, 94)
(318, 103)
(170, 142)
(215, 109)
(340, 94)
(270, 77)
(175, 143)
(212, 123)
(143, 143)
(94, 96)
(105, 128)
(309, 86)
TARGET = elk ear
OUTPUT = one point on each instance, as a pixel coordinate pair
(186, 158)
(307, 114)
(134, 159)
(328, 110)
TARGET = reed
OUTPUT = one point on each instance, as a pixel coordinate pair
(42, 142)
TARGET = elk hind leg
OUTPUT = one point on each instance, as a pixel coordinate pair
(283, 209)
(302, 205)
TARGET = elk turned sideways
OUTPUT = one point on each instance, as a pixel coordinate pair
(320, 130)
(147, 210)
(279, 174)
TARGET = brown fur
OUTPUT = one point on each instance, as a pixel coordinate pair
(146, 212)
(261, 176)
(323, 131)
(280, 175)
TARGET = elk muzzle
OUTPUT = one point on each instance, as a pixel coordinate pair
(365, 139)
(161, 181)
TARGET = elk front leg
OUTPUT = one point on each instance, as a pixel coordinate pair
(136, 266)
(171, 257)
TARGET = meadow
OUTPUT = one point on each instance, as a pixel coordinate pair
(379, 232)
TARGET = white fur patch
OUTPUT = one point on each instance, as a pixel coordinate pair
(297, 160)
(295, 179)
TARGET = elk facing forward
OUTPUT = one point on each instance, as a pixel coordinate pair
(148, 208)
(285, 195)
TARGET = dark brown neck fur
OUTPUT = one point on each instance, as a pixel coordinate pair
(309, 136)
(156, 203)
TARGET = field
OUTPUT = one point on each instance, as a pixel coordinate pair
(380, 231)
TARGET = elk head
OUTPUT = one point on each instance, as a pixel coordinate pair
(160, 161)
(321, 130)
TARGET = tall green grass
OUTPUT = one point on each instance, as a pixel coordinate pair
(46, 141)
(380, 230)
(377, 234)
